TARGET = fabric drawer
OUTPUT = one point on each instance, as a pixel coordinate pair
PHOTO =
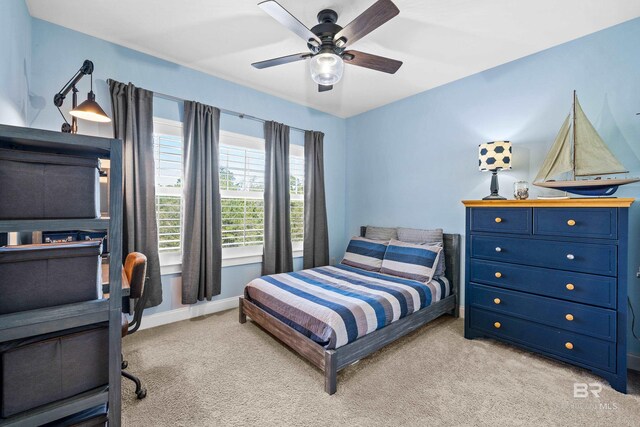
(589, 223)
(38, 276)
(501, 220)
(48, 186)
(580, 318)
(41, 372)
(588, 351)
(572, 256)
(577, 287)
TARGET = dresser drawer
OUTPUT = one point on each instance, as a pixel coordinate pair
(577, 287)
(572, 256)
(501, 220)
(580, 318)
(595, 223)
(588, 351)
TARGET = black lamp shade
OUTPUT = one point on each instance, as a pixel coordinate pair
(90, 110)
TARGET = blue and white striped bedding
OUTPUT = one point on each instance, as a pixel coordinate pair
(337, 305)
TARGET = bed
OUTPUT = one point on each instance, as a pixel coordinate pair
(334, 316)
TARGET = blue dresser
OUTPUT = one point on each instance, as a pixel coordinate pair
(551, 277)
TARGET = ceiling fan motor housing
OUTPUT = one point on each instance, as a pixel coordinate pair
(326, 29)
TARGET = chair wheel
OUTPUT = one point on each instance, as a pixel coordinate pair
(125, 364)
(142, 393)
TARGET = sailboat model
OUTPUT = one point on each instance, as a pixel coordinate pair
(579, 151)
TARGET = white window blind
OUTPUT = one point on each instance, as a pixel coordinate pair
(168, 149)
(242, 189)
(296, 191)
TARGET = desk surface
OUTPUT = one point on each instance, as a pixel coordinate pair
(105, 281)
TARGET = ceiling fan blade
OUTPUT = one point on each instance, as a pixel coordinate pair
(282, 60)
(375, 62)
(379, 13)
(326, 88)
(283, 16)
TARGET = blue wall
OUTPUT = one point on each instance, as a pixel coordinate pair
(409, 163)
(49, 73)
(15, 54)
(413, 161)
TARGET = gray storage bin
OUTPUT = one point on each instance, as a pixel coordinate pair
(37, 372)
(93, 417)
(46, 275)
(35, 185)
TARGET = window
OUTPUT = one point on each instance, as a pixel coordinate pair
(242, 161)
(167, 148)
(296, 190)
(242, 190)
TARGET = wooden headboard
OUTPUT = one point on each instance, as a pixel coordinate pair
(452, 259)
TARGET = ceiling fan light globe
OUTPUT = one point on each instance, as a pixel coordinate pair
(326, 68)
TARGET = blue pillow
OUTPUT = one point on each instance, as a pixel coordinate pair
(416, 262)
(364, 253)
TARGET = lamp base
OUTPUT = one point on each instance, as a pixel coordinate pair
(494, 188)
(494, 197)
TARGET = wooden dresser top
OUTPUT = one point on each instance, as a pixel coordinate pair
(578, 202)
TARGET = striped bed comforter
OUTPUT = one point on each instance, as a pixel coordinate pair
(337, 305)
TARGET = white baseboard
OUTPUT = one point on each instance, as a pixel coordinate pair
(462, 311)
(633, 362)
(189, 312)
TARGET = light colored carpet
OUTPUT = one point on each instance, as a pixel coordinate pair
(213, 371)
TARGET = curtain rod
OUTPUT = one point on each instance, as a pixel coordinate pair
(224, 110)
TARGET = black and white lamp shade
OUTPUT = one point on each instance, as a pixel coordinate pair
(494, 156)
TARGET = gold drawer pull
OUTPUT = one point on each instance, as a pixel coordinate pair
(570, 286)
(569, 346)
(498, 274)
(571, 223)
(497, 325)
(569, 317)
(498, 219)
(496, 300)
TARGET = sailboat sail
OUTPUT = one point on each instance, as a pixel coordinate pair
(592, 155)
(559, 159)
(579, 149)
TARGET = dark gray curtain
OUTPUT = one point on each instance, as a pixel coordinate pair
(133, 124)
(277, 256)
(202, 235)
(316, 238)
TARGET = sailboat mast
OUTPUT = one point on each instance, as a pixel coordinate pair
(574, 134)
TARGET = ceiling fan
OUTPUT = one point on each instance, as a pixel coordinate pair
(327, 42)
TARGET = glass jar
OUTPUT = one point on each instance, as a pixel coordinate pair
(521, 190)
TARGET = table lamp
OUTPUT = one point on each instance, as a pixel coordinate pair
(494, 156)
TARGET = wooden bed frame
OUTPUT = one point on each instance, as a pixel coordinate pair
(332, 361)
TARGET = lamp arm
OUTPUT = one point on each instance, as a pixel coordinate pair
(87, 68)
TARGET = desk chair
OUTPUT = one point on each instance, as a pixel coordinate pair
(135, 268)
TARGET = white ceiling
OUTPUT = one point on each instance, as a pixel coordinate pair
(439, 41)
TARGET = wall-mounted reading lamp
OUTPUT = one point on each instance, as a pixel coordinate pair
(88, 110)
